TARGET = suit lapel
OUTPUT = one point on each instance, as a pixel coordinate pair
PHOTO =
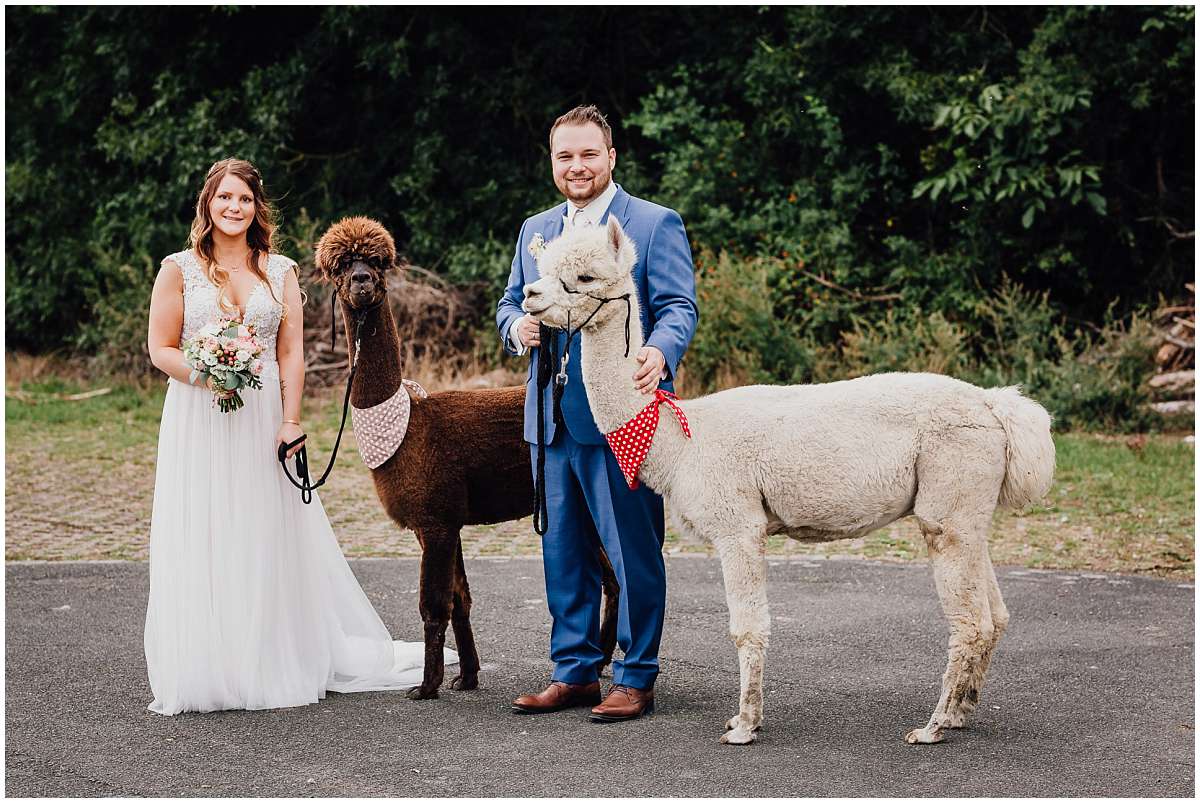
(618, 207)
(551, 229)
(556, 222)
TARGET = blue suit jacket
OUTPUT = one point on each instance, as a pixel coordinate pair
(666, 287)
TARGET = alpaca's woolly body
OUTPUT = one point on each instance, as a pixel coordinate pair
(816, 462)
(828, 461)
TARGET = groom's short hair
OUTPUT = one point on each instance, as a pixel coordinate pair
(582, 115)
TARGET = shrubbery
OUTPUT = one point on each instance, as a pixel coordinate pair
(865, 188)
(1092, 378)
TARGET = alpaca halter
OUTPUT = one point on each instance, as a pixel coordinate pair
(603, 301)
(560, 379)
(380, 429)
(630, 443)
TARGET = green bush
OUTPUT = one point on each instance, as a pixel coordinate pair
(905, 341)
(740, 340)
(1086, 379)
(873, 172)
(114, 339)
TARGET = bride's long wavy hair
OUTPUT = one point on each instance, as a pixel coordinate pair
(260, 236)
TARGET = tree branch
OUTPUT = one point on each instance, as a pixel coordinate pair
(857, 296)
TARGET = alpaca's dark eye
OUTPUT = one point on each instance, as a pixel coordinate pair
(586, 278)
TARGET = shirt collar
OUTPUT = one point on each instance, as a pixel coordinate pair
(594, 211)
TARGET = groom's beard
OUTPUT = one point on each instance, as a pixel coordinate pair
(583, 197)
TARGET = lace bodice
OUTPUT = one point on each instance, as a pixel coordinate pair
(200, 301)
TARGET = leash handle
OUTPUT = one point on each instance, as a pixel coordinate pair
(284, 448)
(305, 482)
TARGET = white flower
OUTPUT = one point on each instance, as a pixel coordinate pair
(209, 359)
(242, 356)
(537, 245)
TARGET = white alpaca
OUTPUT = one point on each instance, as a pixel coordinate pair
(815, 462)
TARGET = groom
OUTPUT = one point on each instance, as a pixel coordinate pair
(586, 492)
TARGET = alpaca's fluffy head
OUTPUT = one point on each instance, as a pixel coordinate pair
(580, 269)
(355, 254)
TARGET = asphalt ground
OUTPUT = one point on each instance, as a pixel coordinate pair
(1091, 693)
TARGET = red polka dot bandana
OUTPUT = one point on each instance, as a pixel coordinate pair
(631, 443)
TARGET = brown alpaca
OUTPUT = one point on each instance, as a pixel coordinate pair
(463, 459)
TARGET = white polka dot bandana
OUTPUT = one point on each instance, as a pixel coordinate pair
(631, 443)
(380, 430)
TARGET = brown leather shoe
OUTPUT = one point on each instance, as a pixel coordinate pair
(622, 703)
(557, 696)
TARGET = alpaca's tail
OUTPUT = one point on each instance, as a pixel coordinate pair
(1030, 450)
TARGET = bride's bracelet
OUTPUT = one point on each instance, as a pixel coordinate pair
(289, 421)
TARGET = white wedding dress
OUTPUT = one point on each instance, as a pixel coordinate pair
(252, 604)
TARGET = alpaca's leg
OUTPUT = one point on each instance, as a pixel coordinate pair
(612, 608)
(744, 565)
(464, 638)
(959, 474)
(959, 556)
(437, 577)
(999, 615)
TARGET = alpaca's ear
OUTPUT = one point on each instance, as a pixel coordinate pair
(324, 259)
(616, 235)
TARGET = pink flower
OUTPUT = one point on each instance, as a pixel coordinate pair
(256, 367)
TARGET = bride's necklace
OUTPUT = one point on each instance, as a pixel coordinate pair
(233, 270)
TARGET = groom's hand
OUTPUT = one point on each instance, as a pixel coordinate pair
(527, 331)
(646, 378)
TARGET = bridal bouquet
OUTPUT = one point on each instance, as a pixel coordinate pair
(228, 352)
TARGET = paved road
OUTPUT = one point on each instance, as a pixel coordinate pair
(1091, 693)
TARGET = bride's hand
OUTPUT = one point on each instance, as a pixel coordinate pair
(288, 432)
(218, 390)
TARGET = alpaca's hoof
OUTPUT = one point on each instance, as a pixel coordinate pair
(925, 736)
(738, 736)
(422, 693)
(735, 721)
(465, 682)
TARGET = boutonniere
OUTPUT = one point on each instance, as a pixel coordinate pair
(537, 245)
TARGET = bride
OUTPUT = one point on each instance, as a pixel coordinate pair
(252, 604)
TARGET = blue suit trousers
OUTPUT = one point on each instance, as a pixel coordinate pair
(586, 497)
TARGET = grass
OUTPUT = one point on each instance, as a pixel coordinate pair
(80, 476)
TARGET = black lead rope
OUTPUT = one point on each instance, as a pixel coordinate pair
(303, 480)
(548, 339)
